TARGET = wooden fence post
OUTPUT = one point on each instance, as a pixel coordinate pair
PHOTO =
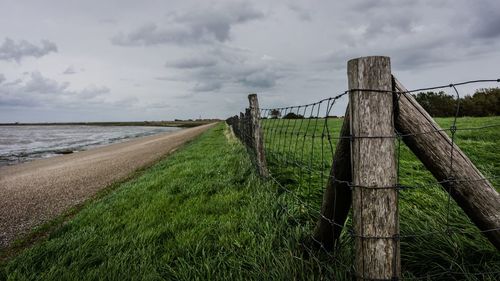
(257, 135)
(235, 123)
(337, 195)
(242, 127)
(375, 195)
(468, 187)
(248, 128)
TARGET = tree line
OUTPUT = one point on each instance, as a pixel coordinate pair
(484, 102)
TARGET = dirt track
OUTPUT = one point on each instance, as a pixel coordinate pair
(35, 192)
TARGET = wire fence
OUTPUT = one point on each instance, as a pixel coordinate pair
(437, 239)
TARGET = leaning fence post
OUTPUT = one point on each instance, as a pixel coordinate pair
(257, 135)
(375, 196)
(337, 196)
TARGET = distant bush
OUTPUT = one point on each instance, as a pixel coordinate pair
(484, 102)
(292, 115)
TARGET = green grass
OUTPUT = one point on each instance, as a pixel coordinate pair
(203, 214)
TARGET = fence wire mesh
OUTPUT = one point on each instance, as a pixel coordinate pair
(299, 145)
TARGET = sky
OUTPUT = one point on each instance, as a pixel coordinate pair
(123, 60)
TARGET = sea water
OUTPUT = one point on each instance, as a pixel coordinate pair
(24, 143)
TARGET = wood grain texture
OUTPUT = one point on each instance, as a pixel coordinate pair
(479, 199)
(257, 135)
(375, 211)
(337, 196)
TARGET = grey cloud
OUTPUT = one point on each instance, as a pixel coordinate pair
(260, 79)
(207, 86)
(43, 85)
(170, 78)
(224, 67)
(93, 91)
(212, 24)
(184, 96)
(394, 25)
(486, 23)
(193, 62)
(2, 78)
(163, 78)
(12, 51)
(151, 34)
(108, 21)
(12, 83)
(489, 28)
(370, 5)
(414, 36)
(124, 102)
(418, 54)
(156, 105)
(38, 90)
(302, 13)
(69, 70)
(13, 101)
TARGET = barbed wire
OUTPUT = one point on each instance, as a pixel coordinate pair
(299, 144)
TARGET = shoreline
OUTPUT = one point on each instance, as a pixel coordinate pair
(71, 141)
(36, 192)
(179, 123)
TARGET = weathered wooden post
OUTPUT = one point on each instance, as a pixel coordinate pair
(257, 135)
(241, 126)
(337, 196)
(248, 128)
(465, 183)
(237, 125)
(234, 124)
(375, 196)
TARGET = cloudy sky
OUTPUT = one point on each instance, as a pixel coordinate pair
(92, 60)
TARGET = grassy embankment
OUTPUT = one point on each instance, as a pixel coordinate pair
(203, 214)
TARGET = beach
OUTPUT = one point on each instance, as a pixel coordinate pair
(36, 192)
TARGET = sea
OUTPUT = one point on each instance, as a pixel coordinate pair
(20, 144)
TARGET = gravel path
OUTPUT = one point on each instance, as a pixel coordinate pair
(35, 192)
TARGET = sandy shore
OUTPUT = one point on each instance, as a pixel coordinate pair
(35, 192)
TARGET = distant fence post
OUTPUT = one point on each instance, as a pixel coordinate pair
(257, 135)
(375, 196)
(235, 124)
(248, 128)
(241, 125)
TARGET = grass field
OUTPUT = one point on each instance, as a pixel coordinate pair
(299, 156)
(203, 214)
